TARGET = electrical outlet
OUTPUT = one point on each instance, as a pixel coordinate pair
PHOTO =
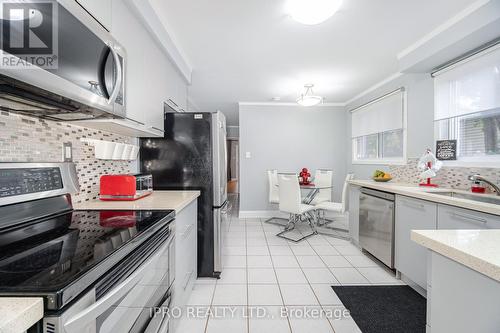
(67, 152)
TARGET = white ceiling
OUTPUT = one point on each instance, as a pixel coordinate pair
(251, 50)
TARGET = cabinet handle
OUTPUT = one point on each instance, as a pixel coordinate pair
(156, 128)
(413, 205)
(469, 218)
(172, 102)
(135, 121)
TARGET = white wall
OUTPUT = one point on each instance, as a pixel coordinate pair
(288, 138)
(420, 103)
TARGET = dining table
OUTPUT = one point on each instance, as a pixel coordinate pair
(310, 191)
(313, 191)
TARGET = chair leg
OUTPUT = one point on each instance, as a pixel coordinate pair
(270, 221)
(324, 224)
(323, 221)
(293, 220)
(310, 219)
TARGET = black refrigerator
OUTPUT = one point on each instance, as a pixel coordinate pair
(192, 155)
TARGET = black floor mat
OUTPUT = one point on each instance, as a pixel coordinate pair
(384, 309)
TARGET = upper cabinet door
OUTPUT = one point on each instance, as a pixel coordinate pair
(101, 10)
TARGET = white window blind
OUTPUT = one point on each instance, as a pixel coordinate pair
(378, 117)
(467, 107)
(471, 87)
(378, 131)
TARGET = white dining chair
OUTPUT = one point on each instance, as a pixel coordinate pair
(323, 177)
(338, 208)
(274, 196)
(290, 202)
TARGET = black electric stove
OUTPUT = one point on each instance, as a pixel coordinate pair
(48, 249)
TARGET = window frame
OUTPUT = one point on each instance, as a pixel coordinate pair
(384, 160)
(475, 161)
(491, 161)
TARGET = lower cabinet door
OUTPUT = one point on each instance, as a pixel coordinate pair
(185, 253)
(411, 258)
(454, 218)
(354, 213)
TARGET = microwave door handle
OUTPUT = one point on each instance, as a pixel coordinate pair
(119, 74)
(76, 323)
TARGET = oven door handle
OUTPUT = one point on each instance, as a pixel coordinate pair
(76, 323)
(160, 321)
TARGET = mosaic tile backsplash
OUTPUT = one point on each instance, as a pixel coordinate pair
(26, 139)
(447, 177)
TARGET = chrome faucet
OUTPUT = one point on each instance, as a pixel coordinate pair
(482, 179)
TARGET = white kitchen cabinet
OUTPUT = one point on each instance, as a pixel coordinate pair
(450, 217)
(186, 266)
(461, 300)
(354, 192)
(151, 79)
(411, 258)
(101, 10)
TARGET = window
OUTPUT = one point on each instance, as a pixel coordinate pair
(467, 108)
(378, 131)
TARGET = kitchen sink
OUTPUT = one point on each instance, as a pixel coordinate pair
(473, 197)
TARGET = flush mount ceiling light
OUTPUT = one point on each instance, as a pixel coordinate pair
(312, 12)
(308, 98)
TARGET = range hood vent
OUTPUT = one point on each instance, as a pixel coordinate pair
(18, 97)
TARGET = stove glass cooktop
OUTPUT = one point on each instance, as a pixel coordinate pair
(50, 254)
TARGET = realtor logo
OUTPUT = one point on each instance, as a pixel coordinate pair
(29, 34)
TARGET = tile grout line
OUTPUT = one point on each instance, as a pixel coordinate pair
(246, 273)
(277, 281)
(216, 284)
(309, 282)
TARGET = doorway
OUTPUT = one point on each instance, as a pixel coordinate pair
(233, 161)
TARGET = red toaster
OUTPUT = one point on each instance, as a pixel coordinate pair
(125, 187)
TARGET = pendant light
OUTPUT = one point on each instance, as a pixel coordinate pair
(312, 12)
(308, 98)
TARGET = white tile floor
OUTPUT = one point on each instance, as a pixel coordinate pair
(281, 279)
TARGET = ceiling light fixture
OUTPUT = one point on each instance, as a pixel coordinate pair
(312, 12)
(308, 98)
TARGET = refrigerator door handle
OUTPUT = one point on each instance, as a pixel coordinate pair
(219, 148)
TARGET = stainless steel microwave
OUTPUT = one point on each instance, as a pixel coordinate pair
(80, 76)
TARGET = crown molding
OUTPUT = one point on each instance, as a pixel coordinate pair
(443, 27)
(288, 104)
(374, 87)
(340, 104)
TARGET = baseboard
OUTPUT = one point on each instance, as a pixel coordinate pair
(413, 285)
(255, 214)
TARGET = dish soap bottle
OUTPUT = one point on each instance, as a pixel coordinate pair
(478, 187)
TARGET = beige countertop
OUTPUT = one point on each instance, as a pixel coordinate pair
(476, 249)
(426, 193)
(19, 314)
(159, 200)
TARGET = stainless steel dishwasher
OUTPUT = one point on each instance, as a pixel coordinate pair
(376, 224)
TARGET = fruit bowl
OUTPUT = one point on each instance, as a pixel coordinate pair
(382, 179)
